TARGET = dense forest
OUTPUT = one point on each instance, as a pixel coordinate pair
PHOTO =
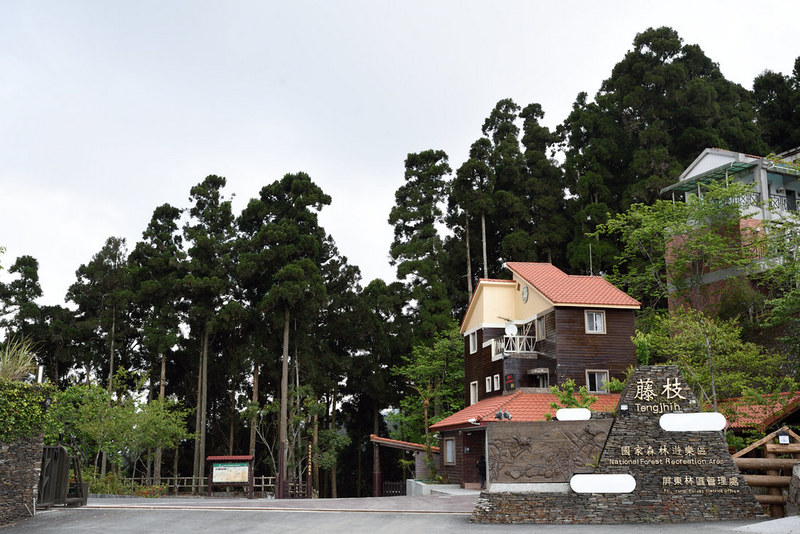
(256, 331)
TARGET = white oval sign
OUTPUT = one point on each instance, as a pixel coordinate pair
(692, 422)
(573, 414)
(601, 483)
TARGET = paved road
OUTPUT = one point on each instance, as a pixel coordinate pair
(403, 515)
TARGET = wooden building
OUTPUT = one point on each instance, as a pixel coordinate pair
(523, 335)
(543, 327)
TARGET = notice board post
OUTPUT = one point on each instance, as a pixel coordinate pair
(231, 471)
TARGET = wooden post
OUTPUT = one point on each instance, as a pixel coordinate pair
(280, 492)
(775, 510)
(377, 476)
(251, 478)
(309, 480)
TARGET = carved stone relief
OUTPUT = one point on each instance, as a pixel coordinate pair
(544, 451)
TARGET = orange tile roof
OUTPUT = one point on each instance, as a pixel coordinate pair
(397, 444)
(742, 413)
(523, 407)
(562, 288)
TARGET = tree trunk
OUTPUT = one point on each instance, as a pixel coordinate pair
(175, 466)
(200, 419)
(469, 258)
(358, 463)
(231, 425)
(483, 240)
(711, 370)
(254, 419)
(110, 376)
(196, 463)
(111, 351)
(314, 447)
(161, 391)
(428, 452)
(204, 405)
(333, 427)
(282, 430)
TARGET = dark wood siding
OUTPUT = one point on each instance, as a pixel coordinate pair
(452, 473)
(479, 365)
(464, 470)
(519, 367)
(577, 351)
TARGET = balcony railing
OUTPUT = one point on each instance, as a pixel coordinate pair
(519, 344)
(775, 202)
(747, 200)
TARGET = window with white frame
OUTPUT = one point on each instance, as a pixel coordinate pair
(473, 392)
(449, 451)
(497, 348)
(496, 382)
(488, 384)
(596, 380)
(595, 322)
(473, 342)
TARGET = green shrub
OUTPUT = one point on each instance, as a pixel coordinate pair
(112, 484)
(22, 409)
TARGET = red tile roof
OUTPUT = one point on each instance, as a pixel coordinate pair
(742, 413)
(562, 288)
(523, 407)
(239, 458)
(397, 444)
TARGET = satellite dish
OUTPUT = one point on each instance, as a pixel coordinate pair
(511, 329)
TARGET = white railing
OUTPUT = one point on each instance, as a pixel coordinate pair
(519, 344)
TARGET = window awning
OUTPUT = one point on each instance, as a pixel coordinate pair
(713, 175)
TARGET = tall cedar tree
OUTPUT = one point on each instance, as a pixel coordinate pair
(156, 265)
(510, 222)
(417, 246)
(207, 284)
(294, 238)
(472, 191)
(103, 296)
(544, 191)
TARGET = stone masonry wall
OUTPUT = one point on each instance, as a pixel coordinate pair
(20, 463)
(680, 476)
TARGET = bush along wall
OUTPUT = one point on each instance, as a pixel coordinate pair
(22, 414)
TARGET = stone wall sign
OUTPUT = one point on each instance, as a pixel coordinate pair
(680, 474)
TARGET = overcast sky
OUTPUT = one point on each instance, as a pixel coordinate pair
(109, 109)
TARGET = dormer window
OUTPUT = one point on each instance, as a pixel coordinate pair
(595, 322)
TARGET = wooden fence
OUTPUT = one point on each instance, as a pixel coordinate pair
(393, 489)
(183, 485)
(770, 472)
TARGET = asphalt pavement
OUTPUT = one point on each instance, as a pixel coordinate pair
(403, 515)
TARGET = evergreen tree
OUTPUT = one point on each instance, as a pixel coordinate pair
(543, 192)
(417, 246)
(777, 103)
(103, 296)
(207, 284)
(663, 103)
(294, 237)
(157, 264)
